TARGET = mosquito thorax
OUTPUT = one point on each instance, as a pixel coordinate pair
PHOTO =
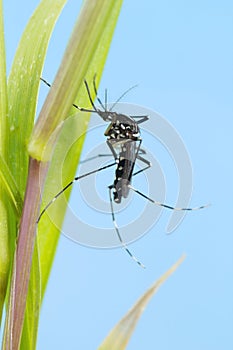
(122, 127)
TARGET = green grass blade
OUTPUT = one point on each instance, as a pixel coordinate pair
(95, 19)
(10, 187)
(104, 14)
(23, 84)
(4, 237)
(121, 333)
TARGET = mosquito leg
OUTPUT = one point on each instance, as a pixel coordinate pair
(74, 105)
(94, 157)
(77, 178)
(141, 170)
(118, 232)
(153, 201)
(144, 161)
(165, 205)
(112, 149)
(44, 81)
(96, 92)
(89, 95)
(143, 118)
(142, 151)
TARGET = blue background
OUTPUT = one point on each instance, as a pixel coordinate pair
(181, 55)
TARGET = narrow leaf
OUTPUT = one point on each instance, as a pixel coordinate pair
(8, 182)
(23, 87)
(4, 237)
(120, 335)
(94, 18)
(24, 82)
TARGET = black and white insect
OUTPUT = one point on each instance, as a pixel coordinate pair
(124, 141)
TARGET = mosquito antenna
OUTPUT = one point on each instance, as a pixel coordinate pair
(68, 185)
(118, 232)
(126, 92)
(166, 205)
(106, 99)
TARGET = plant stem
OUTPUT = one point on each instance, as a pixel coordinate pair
(23, 255)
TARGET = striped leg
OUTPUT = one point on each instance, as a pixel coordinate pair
(166, 205)
(124, 246)
(74, 105)
(77, 178)
(100, 155)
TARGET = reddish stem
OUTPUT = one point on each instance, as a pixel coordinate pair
(23, 255)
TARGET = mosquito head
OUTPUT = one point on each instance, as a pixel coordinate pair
(107, 116)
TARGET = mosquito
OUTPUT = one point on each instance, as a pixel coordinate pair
(124, 141)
